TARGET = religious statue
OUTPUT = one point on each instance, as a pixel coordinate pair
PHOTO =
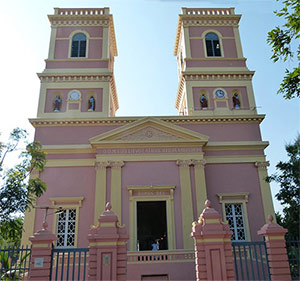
(204, 101)
(57, 103)
(91, 105)
(236, 101)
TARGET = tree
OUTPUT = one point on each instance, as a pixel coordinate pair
(281, 39)
(18, 191)
(289, 194)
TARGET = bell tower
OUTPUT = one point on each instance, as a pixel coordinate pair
(213, 77)
(78, 80)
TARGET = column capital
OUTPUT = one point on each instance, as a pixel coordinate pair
(262, 164)
(184, 163)
(117, 164)
(199, 163)
(101, 165)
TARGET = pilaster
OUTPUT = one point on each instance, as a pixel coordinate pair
(200, 183)
(116, 188)
(265, 189)
(186, 201)
(100, 189)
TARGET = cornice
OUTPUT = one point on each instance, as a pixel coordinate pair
(75, 77)
(215, 76)
(43, 122)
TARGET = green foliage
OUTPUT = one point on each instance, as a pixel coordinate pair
(281, 40)
(11, 232)
(289, 193)
(18, 191)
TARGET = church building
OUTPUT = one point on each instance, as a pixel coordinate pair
(157, 172)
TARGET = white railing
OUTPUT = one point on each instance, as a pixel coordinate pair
(207, 12)
(81, 12)
(161, 256)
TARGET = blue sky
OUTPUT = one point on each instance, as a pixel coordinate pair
(145, 70)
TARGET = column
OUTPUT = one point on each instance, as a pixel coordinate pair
(116, 187)
(186, 201)
(276, 249)
(100, 189)
(200, 183)
(29, 218)
(41, 254)
(265, 189)
(107, 248)
(213, 250)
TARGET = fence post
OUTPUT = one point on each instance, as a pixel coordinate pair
(276, 249)
(107, 248)
(213, 249)
(41, 254)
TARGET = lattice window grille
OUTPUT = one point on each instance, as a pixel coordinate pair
(66, 223)
(235, 218)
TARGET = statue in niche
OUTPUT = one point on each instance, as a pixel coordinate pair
(91, 104)
(203, 101)
(57, 103)
(236, 101)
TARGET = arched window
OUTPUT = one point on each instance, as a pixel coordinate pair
(78, 45)
(213, 48)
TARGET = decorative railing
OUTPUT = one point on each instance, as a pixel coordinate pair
(208, 12)
(160, 256)
(293, 252)
(82, 12)
(251, 261)
(69, 264)
(14, 263)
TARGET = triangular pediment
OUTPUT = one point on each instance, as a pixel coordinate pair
(149, 130)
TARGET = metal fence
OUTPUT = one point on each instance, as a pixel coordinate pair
(69, 264)
(251, 261)
(292, 247)
(14, 263)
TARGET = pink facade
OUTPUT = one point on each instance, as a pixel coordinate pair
(156, 171)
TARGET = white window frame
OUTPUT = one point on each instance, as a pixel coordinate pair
(237, 198)
(67, 203)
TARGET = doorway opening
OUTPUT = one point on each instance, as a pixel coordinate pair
(152, 225)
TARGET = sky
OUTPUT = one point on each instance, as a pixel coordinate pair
(145, 69)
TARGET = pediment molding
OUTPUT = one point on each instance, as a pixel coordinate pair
(149, 130)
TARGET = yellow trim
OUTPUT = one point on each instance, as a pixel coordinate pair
(208, 240)
(212, 221)
(107, 224)
(277, 237)
(52, 43)
(200, 184)
(186, 204)
(236, 198)
(116, 188)
(100, 190)
(28, 226)
(67, 206)
(183, 134)
(265, 190)
(60, 200)
(133, 199)
(112, 243)
(40, 245)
